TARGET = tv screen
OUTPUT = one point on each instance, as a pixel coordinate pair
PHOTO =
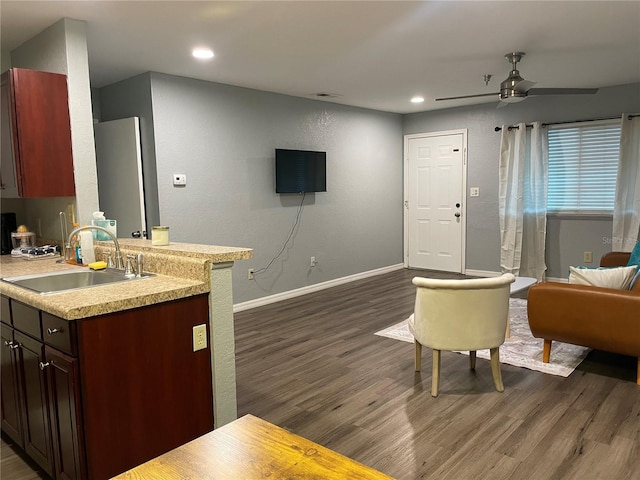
(299, 171)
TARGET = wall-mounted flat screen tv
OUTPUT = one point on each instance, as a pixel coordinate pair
(299, 171)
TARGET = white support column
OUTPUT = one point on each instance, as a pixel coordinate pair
(222, 342)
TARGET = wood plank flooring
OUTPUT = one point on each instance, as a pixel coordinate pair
(313, 365)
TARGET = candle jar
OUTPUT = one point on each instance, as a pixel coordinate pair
(159, 236)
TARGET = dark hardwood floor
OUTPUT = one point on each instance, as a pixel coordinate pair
(313, 365)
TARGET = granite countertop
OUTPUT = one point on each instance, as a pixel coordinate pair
(181, 270)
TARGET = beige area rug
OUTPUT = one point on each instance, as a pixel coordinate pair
(521, 349)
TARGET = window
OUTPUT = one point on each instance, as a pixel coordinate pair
(583, 165)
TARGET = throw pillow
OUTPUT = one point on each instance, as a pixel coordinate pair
(635, 283)
(619, 278)
(634, 259)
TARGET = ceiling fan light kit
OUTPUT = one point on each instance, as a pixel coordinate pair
(515, 89)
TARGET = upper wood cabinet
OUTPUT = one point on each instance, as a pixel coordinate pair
(37, 159)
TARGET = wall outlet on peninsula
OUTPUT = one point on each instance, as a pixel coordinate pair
(199, 337)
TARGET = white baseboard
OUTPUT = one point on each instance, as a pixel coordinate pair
(278, 297)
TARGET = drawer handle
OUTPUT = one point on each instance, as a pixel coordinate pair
(51, 331)
(11, 344)
(45, 365)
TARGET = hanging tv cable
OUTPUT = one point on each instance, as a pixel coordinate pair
(286, 242)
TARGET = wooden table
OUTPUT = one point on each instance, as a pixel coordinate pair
(251, 448)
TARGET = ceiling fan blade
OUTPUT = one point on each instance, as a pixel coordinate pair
(524, 86)
(468, 96)
(562, 91)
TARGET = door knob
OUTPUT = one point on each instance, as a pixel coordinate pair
(457, 214)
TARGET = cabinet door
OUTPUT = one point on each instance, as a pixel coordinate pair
(35, 415)
(9, 397)
(64, 410)
(8, 186)
(39, 112)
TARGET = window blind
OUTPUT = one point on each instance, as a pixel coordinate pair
(583, 165)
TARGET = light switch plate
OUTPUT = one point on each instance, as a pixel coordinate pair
(474, 192)
(199, 337)
(179, 179)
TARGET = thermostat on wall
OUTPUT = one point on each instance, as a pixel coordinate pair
(179, 179)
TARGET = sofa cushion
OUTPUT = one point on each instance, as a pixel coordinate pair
(619, 278)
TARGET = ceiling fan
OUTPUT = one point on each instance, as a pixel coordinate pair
(515, 89)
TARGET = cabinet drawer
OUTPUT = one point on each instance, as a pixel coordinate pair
(59, 333)
(26, 319)
(5, 312)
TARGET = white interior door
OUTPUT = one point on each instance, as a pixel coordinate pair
(434, 214)
(119, 164)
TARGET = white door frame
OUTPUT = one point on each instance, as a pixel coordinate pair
(463, 240)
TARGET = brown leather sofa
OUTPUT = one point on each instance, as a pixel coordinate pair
(599, 318)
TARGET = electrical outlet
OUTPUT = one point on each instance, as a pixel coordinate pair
(474, 192)
(199, 337)
(250, 274)
(179, 179)
(587, 257)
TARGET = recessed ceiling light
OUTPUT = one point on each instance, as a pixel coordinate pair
(202, 53)
(417, 100)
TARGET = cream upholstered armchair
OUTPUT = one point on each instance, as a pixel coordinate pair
(461, 315)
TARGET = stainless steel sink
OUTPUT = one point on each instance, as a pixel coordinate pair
(66, 280)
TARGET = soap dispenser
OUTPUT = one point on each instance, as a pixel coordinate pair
(75, 246)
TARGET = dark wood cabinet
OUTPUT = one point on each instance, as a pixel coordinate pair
(24, 394)
(37, 158)
(35, 414)
(89, 399)
(65, 414)
(144, 390)
(40, 391)
(11, 411)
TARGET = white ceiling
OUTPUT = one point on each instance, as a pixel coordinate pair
(373, 54)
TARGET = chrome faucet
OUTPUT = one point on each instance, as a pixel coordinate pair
(119, 263)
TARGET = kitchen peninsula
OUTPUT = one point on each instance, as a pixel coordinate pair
(118, 373)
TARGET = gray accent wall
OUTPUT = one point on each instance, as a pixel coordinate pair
(223, 139)
(567, 237)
